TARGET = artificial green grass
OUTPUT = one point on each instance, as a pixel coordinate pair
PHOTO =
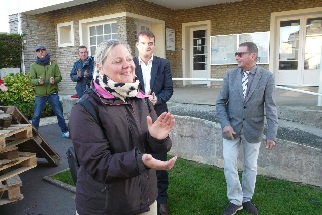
(201, 189)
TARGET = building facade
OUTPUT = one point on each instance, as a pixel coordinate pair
(200, 42)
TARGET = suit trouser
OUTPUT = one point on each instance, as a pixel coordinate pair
(237, 193)
(163, 183)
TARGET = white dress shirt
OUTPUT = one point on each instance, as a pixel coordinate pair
(146, 72)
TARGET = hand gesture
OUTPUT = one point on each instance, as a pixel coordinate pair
(270, 144)
(3, 88)
(52, 80)
(153, 98)
(79, 73)
(41, 81)
(153, 163)
(161, 128)
(229, 132)
(85, 73)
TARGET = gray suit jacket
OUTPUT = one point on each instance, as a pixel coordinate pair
(248, 114)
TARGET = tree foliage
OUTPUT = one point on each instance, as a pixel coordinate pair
(10, 50)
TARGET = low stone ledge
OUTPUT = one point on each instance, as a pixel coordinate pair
(288, 129)
(68, 103)
(201, 141)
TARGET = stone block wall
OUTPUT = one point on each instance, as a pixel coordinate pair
(42, 29)
(246, 16)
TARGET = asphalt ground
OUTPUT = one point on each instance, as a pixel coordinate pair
(43, 198)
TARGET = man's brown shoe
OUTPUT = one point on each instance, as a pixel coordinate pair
(163, 209)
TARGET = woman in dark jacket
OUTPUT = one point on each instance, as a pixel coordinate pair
(117, 173)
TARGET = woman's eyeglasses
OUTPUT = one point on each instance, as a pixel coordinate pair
(240, 54)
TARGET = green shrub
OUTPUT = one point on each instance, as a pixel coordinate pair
(10, 50)
(21, 94)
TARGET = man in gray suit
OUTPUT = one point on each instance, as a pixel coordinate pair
(246, 97)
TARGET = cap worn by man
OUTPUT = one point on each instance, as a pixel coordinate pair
(40, 47)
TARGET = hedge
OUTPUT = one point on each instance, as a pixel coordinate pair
(10, 50)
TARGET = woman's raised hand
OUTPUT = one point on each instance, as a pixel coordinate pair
(161, 128)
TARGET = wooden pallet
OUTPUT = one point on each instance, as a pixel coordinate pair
(36, 143)
(9, 155)
(24, 162)
(10, 190)
(5, 120)
(15, 134)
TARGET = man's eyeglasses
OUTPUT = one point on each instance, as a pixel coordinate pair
(39, 50)
(240, 54)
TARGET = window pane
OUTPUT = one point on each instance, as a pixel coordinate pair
(93, 49)
(313, 43)
(199, 66)
(99, 29)
(114, 36)
(92, 31)
(288, 65)
(199, 34)
(107, 37)
(114, 28)
(199, 58)
(289, 44)
(107, 28)
(92, 41)
(99, 39)
(199, 50)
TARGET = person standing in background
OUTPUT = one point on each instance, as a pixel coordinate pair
(82, 71)
(246, 98)
(3, 87)
(155, 78)
(44, 76)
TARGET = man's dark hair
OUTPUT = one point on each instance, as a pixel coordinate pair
(251, 47)
(145, 33)
(82, 47)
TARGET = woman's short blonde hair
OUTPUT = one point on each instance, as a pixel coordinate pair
(104, 49)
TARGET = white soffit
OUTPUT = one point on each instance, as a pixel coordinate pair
(186, 4)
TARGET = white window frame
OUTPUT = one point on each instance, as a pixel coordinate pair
(98, 24)
(66, 29)
(157, 27)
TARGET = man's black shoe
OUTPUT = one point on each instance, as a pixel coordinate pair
(232, 209)
(250, 208)
(163, 209)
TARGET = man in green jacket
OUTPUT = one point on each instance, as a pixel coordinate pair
(45, 75)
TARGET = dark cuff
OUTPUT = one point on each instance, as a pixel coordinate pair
(140, 165)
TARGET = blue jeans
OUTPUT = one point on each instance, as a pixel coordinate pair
(39, 106)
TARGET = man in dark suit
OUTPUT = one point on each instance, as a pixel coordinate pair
(155, 78)
(246, 98)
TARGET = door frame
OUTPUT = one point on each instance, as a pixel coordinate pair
(192, 29)
(274, 36)
(186, 45)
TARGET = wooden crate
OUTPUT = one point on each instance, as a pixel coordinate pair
(10, 190)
